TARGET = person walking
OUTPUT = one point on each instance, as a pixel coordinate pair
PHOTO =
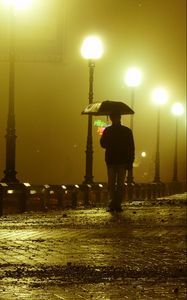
(118, 142)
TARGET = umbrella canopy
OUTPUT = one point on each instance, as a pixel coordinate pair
(107, 108)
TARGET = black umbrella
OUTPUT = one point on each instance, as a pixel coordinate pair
(107, 108)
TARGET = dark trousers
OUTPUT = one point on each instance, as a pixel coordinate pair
(116, 179)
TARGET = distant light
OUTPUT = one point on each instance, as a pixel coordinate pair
(10, 191)
(64, 187)
(46, 186)
(177, 109)
(18, 4)
(100, 185)
(160, 95)
(51, 192)
(26, 184)
(133, 77)
(77, 186)
(143, 154)
(92, 48)
(32, 192)
(3, 184)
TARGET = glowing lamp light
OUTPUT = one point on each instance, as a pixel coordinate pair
(10, 191)
(26, 184)
(33, 192)
(4, 184)
(160, 96)
(92, 48)
(18, 4)
(46, 186)
(133, 77)
(143, 154)
(177, 109)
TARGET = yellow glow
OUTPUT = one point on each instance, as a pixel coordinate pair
(18, 4)
(177, 109)
(143, 154)
(160, 95)
(92, 48)
(10, 191)
(32, 192)
(46, 186)
(26, 184)
(133, 77)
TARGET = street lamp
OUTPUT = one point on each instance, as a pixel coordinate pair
(10, 172)
(132, 79)
(91, 49)
(177, 110)
(159, 96)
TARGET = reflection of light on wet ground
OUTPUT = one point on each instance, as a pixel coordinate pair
(92, 254)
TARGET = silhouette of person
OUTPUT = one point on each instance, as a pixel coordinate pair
(119, 147)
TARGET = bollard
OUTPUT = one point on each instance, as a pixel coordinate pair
(149, 197)
(60, 195)
(24, 195)
(44, 196)
(98, 194)
(1, 200)
(137, 191)
(143, 191)
(130, 191)
(73, 199)
(86, 195)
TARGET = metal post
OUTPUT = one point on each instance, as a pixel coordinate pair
(10, 172)
(130, 178)
(132, 106)
(1, 200)
(175, 161)
(157, 159)
(89, 146)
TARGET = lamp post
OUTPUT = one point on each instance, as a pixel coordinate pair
(132, 79)
(10, 171)
(159, 96)
(91, 49)
(177, 110)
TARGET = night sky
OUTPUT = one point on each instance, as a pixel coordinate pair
(51, 84)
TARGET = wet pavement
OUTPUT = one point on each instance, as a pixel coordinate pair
(92, 254)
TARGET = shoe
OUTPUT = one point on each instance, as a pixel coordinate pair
(110, 209)
(119, 209)
(116, 209)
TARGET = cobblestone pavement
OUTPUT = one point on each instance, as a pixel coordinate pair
(92, 254)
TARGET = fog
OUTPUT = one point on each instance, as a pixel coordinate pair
(51, 84)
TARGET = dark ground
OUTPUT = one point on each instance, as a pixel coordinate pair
(92, 254)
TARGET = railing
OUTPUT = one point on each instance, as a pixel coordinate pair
(18, 198)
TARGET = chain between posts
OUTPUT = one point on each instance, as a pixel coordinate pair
(20, 198)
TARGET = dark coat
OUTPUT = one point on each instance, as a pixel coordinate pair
(119, 144)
